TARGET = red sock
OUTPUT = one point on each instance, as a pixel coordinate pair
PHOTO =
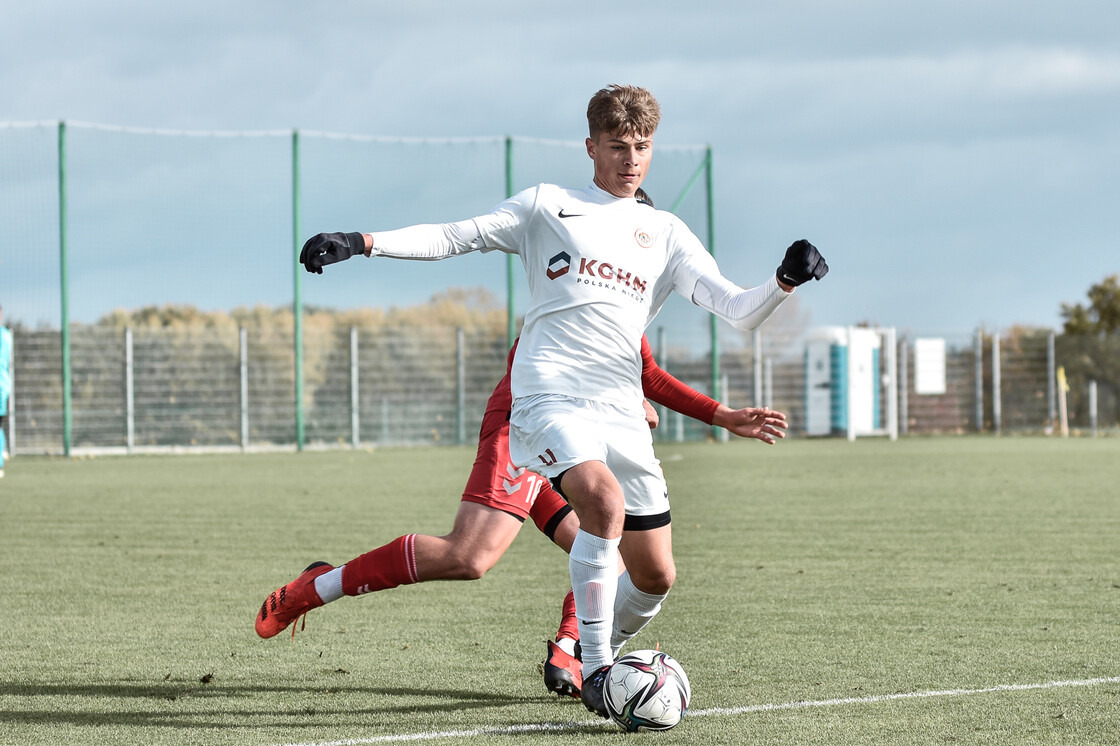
(569, 625)
(385, 567)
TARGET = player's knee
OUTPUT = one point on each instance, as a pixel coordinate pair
(655, 581)
(469, 566)
(602, 518)
(471, 571)
(663, 582)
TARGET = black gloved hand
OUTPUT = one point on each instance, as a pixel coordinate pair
(328, 248)
(802, 263)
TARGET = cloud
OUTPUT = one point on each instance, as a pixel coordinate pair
(975, 136)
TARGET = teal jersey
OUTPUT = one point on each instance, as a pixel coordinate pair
(5, 367)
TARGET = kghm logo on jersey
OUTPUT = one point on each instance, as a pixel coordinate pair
(559, 265)
(644, 238)
(590, 269)
(597, 273)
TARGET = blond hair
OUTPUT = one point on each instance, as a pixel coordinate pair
(623, 110)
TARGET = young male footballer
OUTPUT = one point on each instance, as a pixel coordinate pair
(599, 266)
(497, 499)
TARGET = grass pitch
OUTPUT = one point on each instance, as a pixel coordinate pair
(819, 584)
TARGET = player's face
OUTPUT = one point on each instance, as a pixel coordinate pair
(621, 161)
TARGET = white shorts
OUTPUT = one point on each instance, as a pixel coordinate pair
(550, 434)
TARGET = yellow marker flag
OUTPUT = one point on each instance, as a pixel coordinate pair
(1063, 415)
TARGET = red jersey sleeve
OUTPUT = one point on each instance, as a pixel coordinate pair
(664, 389)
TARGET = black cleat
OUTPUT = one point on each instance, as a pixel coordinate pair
(592, 692)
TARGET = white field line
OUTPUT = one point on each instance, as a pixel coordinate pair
(712, 711)
(904, 695)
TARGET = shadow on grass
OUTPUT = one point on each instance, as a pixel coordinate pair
(182, 708)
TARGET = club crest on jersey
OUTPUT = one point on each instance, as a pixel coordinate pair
(559, 265)
(644, 238)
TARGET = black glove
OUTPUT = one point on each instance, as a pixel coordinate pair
(802, 263)
(328, 248)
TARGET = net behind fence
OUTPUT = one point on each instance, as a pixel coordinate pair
(172, 255)
(156, 217)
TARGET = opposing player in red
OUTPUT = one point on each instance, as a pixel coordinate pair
(497, 499)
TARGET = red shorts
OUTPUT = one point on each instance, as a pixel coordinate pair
(497, 483)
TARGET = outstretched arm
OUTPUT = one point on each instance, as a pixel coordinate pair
(425, 242)
(747, 308)
(497, 230)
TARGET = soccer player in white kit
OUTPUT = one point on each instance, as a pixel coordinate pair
(599, 266)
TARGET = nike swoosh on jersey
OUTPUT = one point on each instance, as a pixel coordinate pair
(561, 214)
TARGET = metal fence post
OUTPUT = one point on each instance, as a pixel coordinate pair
(1051, 378)
(851, 406)
(243, 356)
(1093, 408)
(890, 342)
(460, 389)
(129, 393)
(756, 337)
(997, 400)
(713, 326)
(721, 434)
(511, 283)
(355, 422)
(64, 293)
(978, 353)
(297, 293)
(768, 383)
(903, 385)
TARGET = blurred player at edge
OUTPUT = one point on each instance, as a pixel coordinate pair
(599, 267)
(5, 384)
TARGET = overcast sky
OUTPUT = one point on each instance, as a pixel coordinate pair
(956, 162)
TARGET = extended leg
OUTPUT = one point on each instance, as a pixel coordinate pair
(478, 539)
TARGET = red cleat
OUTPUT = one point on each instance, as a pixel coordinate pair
(289, 602)
(563, 673)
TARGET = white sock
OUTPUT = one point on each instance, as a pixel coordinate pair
(329, 585)
(593, 565)
(633, 609)
(567, 644)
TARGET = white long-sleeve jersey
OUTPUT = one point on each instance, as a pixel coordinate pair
(599, 269)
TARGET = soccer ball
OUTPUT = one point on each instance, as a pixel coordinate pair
(646, 690)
